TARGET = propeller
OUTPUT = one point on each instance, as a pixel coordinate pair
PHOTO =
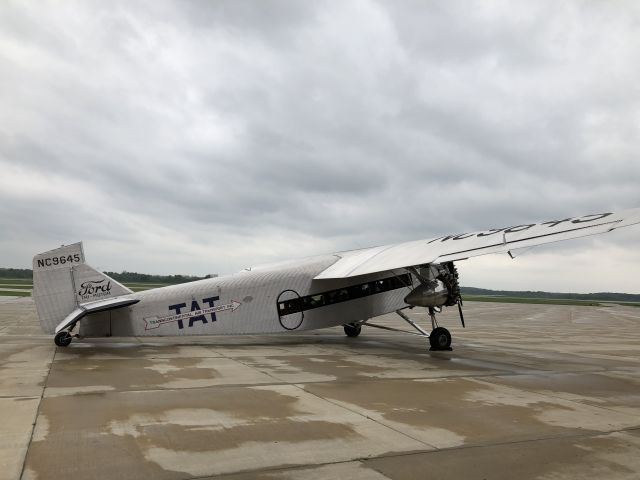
(460, 311)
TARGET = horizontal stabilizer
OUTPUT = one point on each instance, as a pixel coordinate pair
(93, 307)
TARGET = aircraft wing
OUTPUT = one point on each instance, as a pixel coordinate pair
(465, 245)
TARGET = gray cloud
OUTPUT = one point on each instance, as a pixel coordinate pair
(164, 133)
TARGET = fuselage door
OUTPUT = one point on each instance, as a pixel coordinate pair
(290, 313)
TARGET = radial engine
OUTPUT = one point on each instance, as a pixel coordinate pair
(438, 286)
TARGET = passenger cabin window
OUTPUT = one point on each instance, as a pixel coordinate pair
(343, 294)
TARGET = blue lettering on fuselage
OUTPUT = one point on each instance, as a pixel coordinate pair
(210, 301)
(200, 318)
(177, 309)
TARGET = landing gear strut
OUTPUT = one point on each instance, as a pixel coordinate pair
(439, 338)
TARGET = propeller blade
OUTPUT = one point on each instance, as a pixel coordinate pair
(460, 310)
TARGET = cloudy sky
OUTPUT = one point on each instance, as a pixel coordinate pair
(205, 137)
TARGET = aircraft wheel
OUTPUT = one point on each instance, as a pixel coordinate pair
(62, 339)
(352, 330)
(440, 339)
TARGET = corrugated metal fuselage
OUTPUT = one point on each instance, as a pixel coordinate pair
(244, 303)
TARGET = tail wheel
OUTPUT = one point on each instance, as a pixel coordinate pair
(440, 339)
(352, 330)
(62, 339)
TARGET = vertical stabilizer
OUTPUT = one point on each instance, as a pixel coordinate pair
(62, 281)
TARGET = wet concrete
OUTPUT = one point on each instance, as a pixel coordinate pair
(530, 391)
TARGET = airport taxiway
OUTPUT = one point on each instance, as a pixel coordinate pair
(530, 391)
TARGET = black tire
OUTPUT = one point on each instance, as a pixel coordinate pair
(352, 330)
(62, 339)
(440, 339)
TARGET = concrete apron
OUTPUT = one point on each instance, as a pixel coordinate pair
(506, 403)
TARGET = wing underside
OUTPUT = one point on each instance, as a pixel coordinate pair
(465, 245)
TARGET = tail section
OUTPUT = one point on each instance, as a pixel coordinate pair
(62, 281)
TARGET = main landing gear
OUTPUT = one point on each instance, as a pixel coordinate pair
(438, 287)
(352, 329)
(439, 338)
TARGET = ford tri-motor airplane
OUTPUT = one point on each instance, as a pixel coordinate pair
(345, 288)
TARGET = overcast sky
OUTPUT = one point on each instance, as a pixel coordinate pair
(205, 137)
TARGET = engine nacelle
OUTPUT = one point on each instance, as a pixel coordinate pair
(428, 296)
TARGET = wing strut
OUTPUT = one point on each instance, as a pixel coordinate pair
(421, 331)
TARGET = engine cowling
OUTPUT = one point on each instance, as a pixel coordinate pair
(426, 295)
(439, 287)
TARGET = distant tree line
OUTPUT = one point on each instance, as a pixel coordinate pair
(134, 277)
(126, 277)
(16, 273)
(607, 296)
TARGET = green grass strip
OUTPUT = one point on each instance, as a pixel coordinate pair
(21, 293)
(542, 301)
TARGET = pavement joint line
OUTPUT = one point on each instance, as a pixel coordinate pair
(277, 469)
(364, 460)
(299, 386)
(140, 390)
(35, 420)
(574, 401)
(504, 373)
(593, 433)
(20, 396)
(548, 373)
(276, 381)
(279, 382)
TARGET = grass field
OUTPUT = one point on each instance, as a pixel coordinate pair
(17, 293)
(140, 288)
(15, 287)
(15, 281)
(543, 301)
